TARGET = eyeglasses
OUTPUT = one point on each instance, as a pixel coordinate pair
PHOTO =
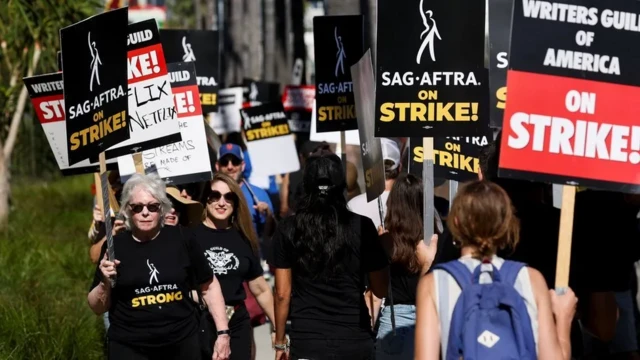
(216, 195)
(224, 161)
(137, 208)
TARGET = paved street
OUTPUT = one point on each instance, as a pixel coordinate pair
(263, 342)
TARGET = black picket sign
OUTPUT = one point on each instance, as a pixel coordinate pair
(200, 46)
(338, 43)
(430, 76)
(94, 66)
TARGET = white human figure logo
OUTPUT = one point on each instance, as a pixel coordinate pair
(253, 94)
(95, 61)
(340, 54)
(153, 272)
(188, 52)
(430, 31)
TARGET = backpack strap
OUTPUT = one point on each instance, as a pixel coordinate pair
(509, 271)
(459, 271)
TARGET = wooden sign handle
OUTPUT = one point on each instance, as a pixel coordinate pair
(137, 161)
(98, 185)
(427, 180)
(564, 240)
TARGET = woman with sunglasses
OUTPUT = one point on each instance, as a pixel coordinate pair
(230, 244)
(150, 312)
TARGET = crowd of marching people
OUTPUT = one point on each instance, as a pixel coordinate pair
(355, 279)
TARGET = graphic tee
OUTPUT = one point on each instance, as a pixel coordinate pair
(231, 258)
(150, 305)
(334, 308)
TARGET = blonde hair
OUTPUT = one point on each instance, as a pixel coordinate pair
(154, 186)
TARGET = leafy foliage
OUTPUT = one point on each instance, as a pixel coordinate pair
(25, 23)
(182, 14)
(46, 273)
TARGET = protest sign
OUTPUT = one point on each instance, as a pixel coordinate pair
(455, 158)
(258, 92)
(573, 84)
(298, 105)
(46, 93)
(152, 117)
(200, 46)
(269, 140)
(351, 136)
(338, 43)
(228, 119)
(186, 161)
(430, 76)
(370, 148)
(94, 64)
(499, 36)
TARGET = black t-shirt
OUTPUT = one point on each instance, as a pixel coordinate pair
(231, 258)
(151, 305)
(333, 309)
(404, 285)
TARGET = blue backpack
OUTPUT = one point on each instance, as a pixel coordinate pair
(490, 320)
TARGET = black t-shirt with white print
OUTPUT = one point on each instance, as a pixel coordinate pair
(150, 304)
(231, 258)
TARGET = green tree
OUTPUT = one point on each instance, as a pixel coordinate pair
(29, 41)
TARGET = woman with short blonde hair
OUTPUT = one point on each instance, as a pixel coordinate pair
(149, 308)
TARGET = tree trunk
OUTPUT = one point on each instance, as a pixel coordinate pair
(211, 16)
(198, 12)
(343, 7)
(4, 191)
(269, 40)
(297, 34)
(233, 52)
(254, 45)
(7, 149)
(19, 111)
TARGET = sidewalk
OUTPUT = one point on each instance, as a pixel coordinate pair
(264, 351)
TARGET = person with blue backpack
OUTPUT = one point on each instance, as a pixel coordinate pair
(481, 306)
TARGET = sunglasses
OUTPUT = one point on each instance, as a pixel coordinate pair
(137, 208)
(216, 195)
(224, 161)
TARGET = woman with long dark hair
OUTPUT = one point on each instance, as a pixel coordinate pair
(230, 244)
(322, 255)
(410, 259)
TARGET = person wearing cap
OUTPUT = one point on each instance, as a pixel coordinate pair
(292, 183)
(231, 162)
(392, 168)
